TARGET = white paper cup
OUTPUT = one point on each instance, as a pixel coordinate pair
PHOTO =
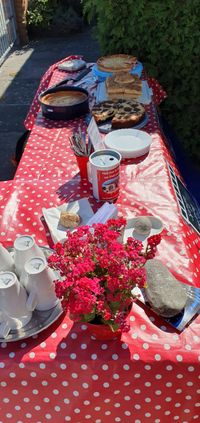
(24, 249)
(39, 284)
(6, 260)
(13, 309)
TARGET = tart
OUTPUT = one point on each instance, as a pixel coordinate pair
(122, 113)
(103, 111)
(116, 63)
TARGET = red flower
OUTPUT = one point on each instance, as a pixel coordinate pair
(154, 240)
(98, 272)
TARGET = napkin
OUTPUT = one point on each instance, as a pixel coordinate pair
(106, 212)
(52, 216)
(72, 65)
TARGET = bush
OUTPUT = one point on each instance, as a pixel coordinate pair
(56, 16)
(40, 12)
(164, 35)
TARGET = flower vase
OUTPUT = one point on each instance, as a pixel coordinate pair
(103, 332)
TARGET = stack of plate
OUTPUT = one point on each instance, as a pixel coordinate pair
(130, 143)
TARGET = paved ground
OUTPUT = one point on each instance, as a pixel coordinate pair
(19, 78)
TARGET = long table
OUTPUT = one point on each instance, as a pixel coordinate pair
(152, 373)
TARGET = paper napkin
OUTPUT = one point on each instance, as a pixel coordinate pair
(106, 212)
(52, 216)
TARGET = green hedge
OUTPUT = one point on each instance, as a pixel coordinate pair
(164, 35)
(54, 16)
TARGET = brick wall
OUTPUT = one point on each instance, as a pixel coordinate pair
(20, 12)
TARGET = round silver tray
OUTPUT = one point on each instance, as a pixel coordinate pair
(40, 320)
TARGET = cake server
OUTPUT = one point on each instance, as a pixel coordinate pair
(70, 78)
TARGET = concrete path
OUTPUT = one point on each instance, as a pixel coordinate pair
(20, 75)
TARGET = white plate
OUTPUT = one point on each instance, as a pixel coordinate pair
(157, 227)
(129, 143)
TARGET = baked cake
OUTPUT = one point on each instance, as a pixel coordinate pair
(123, 85)
(122, 113)
(116, 63)
(64, 98)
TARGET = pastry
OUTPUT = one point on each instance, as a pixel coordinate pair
(116, 63)
(123, 77)
(69, 220)
(124, 86)
(122, 113)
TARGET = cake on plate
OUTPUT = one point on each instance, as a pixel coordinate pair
(122, 113)
(116, 63)
(123, 85)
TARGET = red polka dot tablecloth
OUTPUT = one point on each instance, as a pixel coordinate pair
(62, 374)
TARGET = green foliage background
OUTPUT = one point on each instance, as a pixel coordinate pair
(60, 16)
(164, 35)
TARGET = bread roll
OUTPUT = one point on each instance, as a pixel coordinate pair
(69, 220)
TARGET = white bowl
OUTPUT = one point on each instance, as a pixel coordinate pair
(130, 143)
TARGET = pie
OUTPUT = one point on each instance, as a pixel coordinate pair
(104, 111)
(64, 98)
(123, 85)
(122, 113)
(116, 63)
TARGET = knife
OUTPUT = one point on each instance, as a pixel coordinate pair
(78, 78)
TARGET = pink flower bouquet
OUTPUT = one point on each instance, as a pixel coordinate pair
(98, 273)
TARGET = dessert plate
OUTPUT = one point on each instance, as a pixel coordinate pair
(40, 320)
(130, 143)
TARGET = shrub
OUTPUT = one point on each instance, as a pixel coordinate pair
(164, 35)
(58, 16)
(40, 12)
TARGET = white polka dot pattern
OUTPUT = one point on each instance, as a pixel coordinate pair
(152, 374)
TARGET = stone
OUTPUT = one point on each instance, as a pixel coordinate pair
(142, 225)
(165, 294)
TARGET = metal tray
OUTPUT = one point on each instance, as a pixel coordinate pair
(40, 320)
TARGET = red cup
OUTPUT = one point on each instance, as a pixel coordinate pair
(82, 164)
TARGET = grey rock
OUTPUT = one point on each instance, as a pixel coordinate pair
(165, 294)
